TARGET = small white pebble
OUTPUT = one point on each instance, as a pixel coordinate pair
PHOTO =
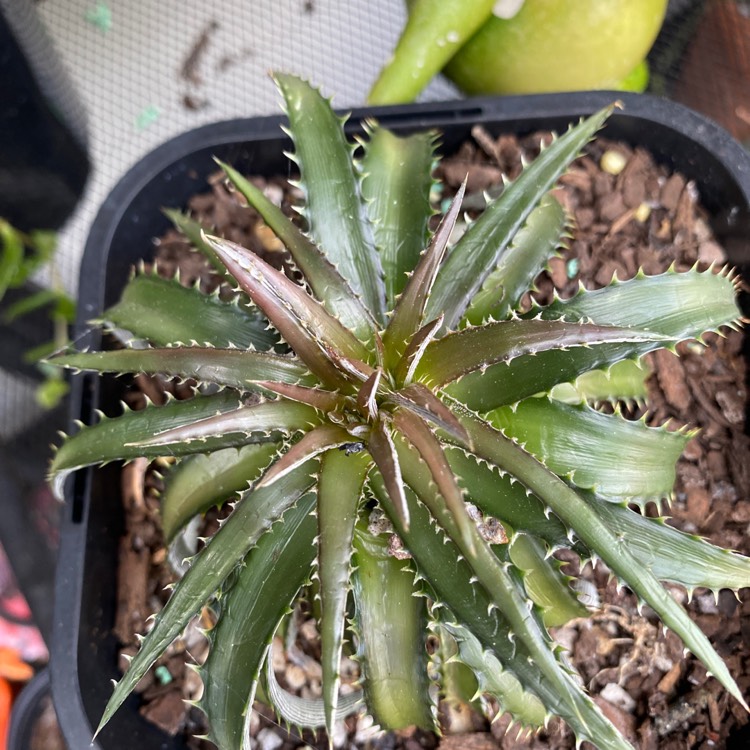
(587, 593)
(618, 696)
(506, 8)
(269, 740)
(707, 604)
(295, 677)
(613, 162)
(340, 735)
(274, 193)
(662, 663)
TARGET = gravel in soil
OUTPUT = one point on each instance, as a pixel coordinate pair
(637, 217)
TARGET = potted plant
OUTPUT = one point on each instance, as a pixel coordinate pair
(410, 413)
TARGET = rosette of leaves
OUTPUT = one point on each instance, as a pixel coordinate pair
(412, 389)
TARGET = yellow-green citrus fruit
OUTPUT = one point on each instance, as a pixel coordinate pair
(559, 45)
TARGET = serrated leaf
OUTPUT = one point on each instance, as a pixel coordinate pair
(340, 486)
(458, 354)
(543, 582)
(326, 401)
(623, 381)
(250, 612)
(318, 440)
(499, 579)
(200, 482)
(425, 404)
(407, 365)
(283, 416)
(480, 249)
(303, 322)
(251, 518)
(113, 438)
(164, 312)
(396, 185)
(307, 712)
(686, 310)
(575, 512)
(514, 274)
(679, 305)
(524, 707)
(452, 583)
(394, 660)
(618, 458)
(194, 231)
(670, 554)
(335, 212)
(229, 367)
(498, 496)
(325, 281)
(431, 453)
(383, 451)
(408, 315)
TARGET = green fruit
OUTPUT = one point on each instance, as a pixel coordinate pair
(558, 45)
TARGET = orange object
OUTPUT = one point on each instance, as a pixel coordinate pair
(12, 667)
(6, 700)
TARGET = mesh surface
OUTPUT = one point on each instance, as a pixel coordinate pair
(147, 71)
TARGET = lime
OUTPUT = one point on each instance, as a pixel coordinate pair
(560, 45)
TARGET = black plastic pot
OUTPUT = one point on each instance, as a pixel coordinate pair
(26, 710)
(84, 649)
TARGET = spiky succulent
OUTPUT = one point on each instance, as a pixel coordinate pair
(412, 388)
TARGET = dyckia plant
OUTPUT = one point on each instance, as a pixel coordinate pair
(403, 446)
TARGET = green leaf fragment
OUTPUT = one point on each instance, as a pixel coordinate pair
(481, 248)
(336, 215)
(543, 582)
(670, 554)
(201, 482)
(396, 183)
(623, 381)
(394, 660)
(524, 259)
(618, 458)
(340, 487)
(177, 314)
(11, 257)
(525, 708)
(194, 231)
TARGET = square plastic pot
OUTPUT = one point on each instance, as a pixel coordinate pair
(84, 658)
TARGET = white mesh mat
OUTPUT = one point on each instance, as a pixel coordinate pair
(147, 70)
